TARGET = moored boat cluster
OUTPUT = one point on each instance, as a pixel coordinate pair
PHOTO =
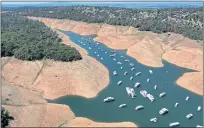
(130, 90)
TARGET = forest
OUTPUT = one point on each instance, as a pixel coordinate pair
(186, 21)
(32, 40)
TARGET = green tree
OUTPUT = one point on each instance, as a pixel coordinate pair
(32, 40)
(5, 118)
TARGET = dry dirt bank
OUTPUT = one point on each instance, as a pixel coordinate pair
(29, 109)
(53, 115)
(147, 47)
(85, 78)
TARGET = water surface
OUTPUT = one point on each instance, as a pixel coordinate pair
(96, 110)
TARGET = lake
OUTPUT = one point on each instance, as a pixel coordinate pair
(164, 77)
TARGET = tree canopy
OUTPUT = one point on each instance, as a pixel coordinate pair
(186, 21)
(5, 118)
(32, 40)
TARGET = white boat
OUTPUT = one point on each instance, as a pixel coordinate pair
(114, 59)
(121, 67)
(108, 99)
(98, 55)
(112, 55)
(125, 73)
(189, 116)
(199, 126)
(130, 92)
(105, 52)
(187, 98)
(94, 52)
(163, 111)
(126, 60)
(155, 87)
(101, 58)
(131, 78)
(122, 105)
(162, 94)
(199, 108)
(119, 82)
(132, 69)
(138, 74)
(115, 73)
(131, 64)
(139, 107)
(89, 47)
(153, 120)
(167, 72)
(122, 56)
(143, 93)
(174, 124)
(150, 71)
(137, 84)
(176, 105)
(119, 62)
(148, 80)
(150, 97)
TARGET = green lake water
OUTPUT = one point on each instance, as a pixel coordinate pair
(96, 110)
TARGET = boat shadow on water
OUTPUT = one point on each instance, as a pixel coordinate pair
(164, 77)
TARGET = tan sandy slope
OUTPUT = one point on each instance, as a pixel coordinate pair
(146, 47)
(86, 77)
(29, 109)
(53, 115)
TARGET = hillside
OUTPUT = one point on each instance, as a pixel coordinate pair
(186, 21)
(32, 40)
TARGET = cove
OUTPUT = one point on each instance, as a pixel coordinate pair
(98, 111)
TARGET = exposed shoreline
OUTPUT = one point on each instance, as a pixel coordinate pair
(53, 115)
(196, 81)
(146, 47)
